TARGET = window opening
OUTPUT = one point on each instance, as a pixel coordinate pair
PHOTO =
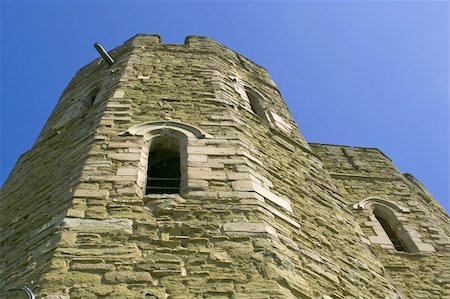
(396, 241)
(163, 172)
(90, 99)
(256, 102)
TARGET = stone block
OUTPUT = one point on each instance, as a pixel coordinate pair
(211, 151)
(424, 247)
(118, 94)
(131, 171)
(125, 156)
(267, 194)
(197, 158)
(249, 228)
(134, 150)
(198, 184)
(111, 178)
(228, 194)
(126, 144)
(126, 191)
(88, 193)
(212, 165)
(68, 279)
(249, 156)
(76, 212)
(127, 277)
(243, 185)
(220, 256)
(98, 162)
(279, 214)
(113, 226)
(116, 105)
(96, 267)
(380, 240)
(67, 239)
(59, 264)
(206, 174)
(95, 212)
(233, 176)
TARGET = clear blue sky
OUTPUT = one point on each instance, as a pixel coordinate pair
(361, 73)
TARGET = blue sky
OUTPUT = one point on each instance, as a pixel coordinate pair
(360, 73)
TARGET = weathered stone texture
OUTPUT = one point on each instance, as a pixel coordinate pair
(361, 173)
(37, 194)
(258, 215)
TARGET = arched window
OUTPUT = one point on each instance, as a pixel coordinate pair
(167, 170)
(163, 172)
(390, 231)
(389, 222)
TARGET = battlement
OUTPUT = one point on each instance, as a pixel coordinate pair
(191, 42)
(156, 39)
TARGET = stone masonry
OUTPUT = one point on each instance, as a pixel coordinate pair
(259, 213)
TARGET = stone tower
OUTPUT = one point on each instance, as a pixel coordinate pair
(177, 171)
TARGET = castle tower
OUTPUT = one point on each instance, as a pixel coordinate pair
(177, 171)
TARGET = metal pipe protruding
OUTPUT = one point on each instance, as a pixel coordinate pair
(106, 57)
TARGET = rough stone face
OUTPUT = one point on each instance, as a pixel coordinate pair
(361, 173)
(260, 213)
(122, 226)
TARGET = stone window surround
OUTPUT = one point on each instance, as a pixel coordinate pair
(263, 107)
(180, 131)
(258, 103)
(396, 216)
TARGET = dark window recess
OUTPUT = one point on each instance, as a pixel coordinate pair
(90, 99)
(163, 173)
(256, 102)
(398, 244)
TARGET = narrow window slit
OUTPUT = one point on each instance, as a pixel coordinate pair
(256, 103)
(90, 99)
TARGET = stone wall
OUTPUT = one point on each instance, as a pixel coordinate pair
(366, 174)
(254, 218)
(258, 214)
